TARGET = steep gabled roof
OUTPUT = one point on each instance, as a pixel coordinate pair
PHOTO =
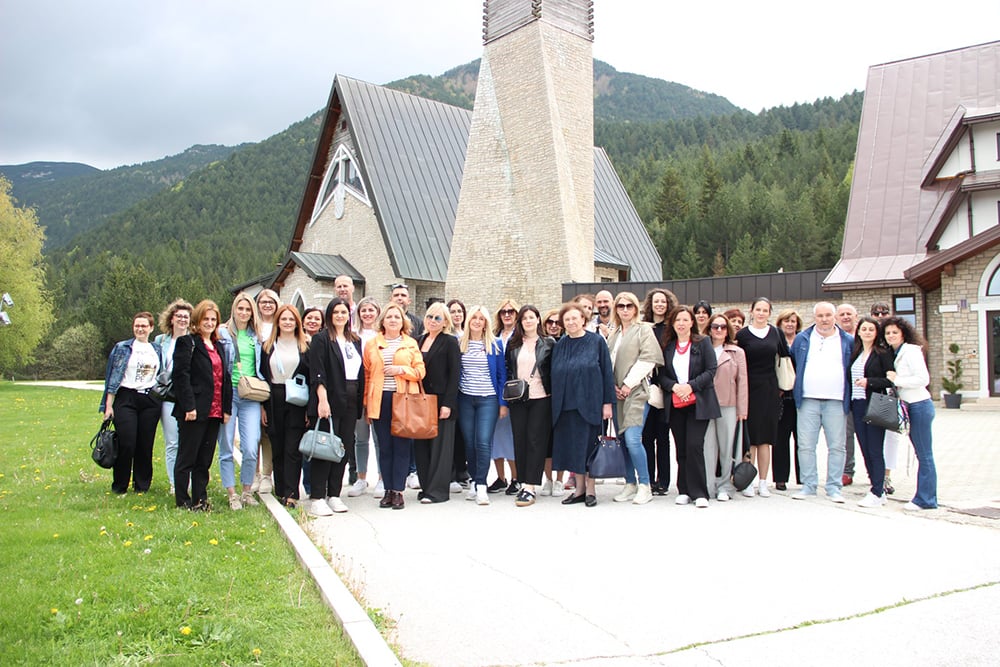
(411, 154)
(911, 110)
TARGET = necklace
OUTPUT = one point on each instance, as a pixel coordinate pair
(682, 349)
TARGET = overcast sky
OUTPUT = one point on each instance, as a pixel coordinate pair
(113, 82)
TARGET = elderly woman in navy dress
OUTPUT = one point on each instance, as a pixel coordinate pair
(583, 392)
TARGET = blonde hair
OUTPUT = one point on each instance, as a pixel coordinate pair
(489, 340)
(252, 324)
(407, 326)
(300, 334)
(629, 297)
(438, 308)
(167, 316)
(498, 321)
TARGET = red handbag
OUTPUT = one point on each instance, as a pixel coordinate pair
(679, 402)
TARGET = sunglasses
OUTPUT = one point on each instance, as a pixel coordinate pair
(624, 306)
(435, 318)
(507, 312)
(880, 313)
(552, 323)
(720, 327)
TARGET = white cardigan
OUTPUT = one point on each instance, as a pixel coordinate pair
(912, 377)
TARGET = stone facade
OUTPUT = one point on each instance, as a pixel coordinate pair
(525, 218)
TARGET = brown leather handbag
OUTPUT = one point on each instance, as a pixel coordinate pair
(414, 415)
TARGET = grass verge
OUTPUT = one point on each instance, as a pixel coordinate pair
(93, 578)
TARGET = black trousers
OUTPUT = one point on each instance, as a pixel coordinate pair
(286, 425)
(136, 417)
(435, 459)
(327, 477)
(531, 423)
(656, 441)
(689, 436)
(195, 451)
(781, 459)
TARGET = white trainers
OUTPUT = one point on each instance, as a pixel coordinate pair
(802, 495)
(701, 503)
(379, 490)
(359, 488)
(265, 484)
(762, 489)
(482, 497)
(255, 487)
(871, 500)
(643, 495)
(722, 496)
(546, 489)
(912, 507)
(471, 493)
(247, 499)
(336, 504)
(749, 492)
(319, 508)
(454, 487)
(836, 498)
(558, 489)
(412, 481)
(682, 499)
(627, 494)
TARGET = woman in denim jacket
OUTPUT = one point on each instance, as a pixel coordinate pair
(241, 340)
(130, 374)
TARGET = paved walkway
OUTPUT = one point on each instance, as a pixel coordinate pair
(755, 581)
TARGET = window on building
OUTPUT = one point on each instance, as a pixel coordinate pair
(905, 306)
(998, 146)
(993, 288)
(342, 177)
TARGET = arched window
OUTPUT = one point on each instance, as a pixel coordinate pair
(993, 287)
(342, 177)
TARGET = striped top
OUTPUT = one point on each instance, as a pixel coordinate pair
(475, 376)
(388, 353)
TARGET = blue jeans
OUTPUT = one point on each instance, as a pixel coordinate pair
(247, 414)
(636, 452)
(812, 414)
(477, 418)
(169, 425)
(363, 432)
(921, 419)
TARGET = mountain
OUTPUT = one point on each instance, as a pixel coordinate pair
(618, 96)
(71, 198)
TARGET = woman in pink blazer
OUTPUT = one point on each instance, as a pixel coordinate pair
(731, 388)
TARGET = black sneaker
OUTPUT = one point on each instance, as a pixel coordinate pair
(514, 488)
(497, 486)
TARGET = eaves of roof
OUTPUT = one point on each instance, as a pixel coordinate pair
(927, 274)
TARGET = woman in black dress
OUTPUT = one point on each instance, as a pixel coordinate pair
(656, 432)
(762, 343)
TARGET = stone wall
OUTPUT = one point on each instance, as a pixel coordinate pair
(959, 323)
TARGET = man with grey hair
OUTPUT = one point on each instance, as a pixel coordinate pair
(822, 394)
(847, 319)
(343, 286)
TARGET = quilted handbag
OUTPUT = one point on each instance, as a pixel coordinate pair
(104, 445)
(323, 445)
(414, 415)
(608, 460)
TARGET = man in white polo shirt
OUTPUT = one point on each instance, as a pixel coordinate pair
(822, 392)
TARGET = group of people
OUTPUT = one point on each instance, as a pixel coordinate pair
(526, 394)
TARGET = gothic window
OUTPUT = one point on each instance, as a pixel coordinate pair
(342, 177)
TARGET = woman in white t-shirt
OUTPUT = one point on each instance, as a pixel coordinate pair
(131, 373)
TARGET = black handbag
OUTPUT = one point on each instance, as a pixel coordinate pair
(104, 445)
(888, 412)
(608, 460)
(163, 390)
(516, 391)
(744, 472)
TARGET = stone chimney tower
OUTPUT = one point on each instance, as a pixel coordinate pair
(525, 218)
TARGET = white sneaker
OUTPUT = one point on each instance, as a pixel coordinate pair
(871, 500)
(802, 495)
(357, 489)
(265, 484)
(627, 494)
(546, 489)
(336, 504)
(836, 498)
(454, 487)
(247, 499)
(482, 497)
(471, 493)
(682, 499)
(558, 489)
(762, 489)
(749, 492)
(379, 490)
(319, 508)
(255, 487)
(412, 481)
(643, 495)
(912, 507)
(701, 503)
(722, 496)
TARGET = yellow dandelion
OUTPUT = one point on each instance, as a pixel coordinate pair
(213, 541)
(186, 630)
(54, 610)
(151, 508)
(262, 531)
(187, 543)
(128, 543)
(148, 537)
(256, 652)
(129, 524)
(55, 536)
(37, 471)
(194, 524)
(104, 533)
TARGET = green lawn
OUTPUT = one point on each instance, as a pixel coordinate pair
(91, 578)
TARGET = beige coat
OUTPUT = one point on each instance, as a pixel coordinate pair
(731, 379)
(637, 355)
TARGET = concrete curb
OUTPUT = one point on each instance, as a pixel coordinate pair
(360, 629)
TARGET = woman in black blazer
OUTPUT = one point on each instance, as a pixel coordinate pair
(870, 363)
(443, 361)
(338, 389)
(688, 381)
(204, 394)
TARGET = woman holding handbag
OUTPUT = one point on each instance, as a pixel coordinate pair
(688, 379)
(204, 395)
(392, 362)
(870, 365)
(242, 341)
(656, 433)
(784, 451)
(731, 389)
(174, 323)
(635, 353)
(284, 359)
(436, 457)
(338, 383)
(529, 361)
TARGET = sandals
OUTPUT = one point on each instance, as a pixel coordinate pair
(524, 498)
